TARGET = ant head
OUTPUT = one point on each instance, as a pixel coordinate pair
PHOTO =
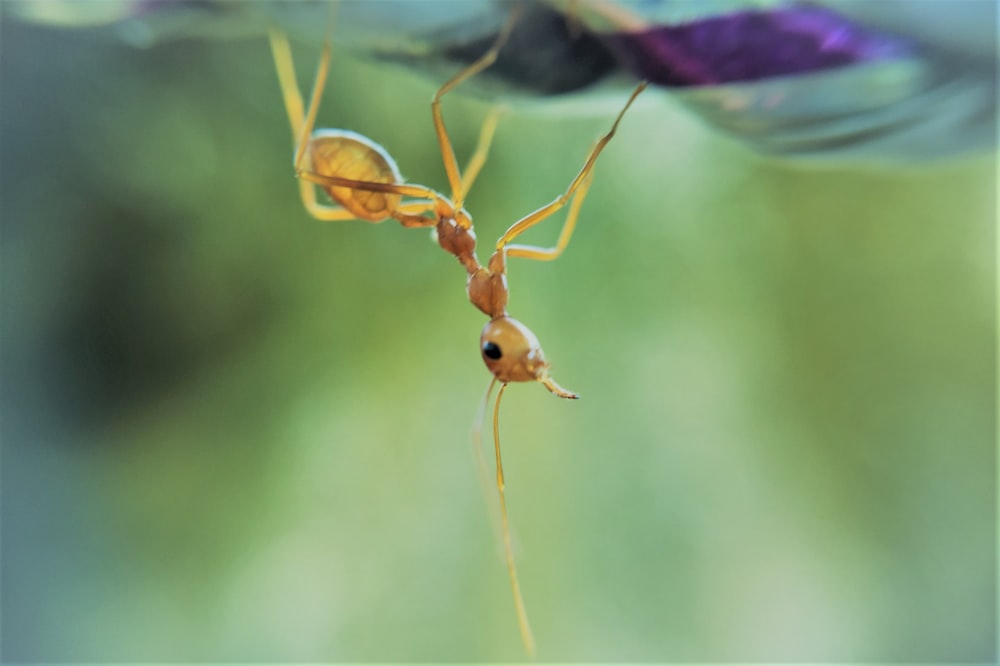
(513, 354)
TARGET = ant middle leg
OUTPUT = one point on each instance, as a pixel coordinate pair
(478, 159)
(459, 186)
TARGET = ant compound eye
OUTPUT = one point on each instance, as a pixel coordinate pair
(492, 350)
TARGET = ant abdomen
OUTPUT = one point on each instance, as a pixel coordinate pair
(346, 154)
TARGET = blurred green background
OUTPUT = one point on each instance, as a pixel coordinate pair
(232, 433)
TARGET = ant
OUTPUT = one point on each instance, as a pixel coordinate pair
(364, 182)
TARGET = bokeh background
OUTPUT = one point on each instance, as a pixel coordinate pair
(232, 433)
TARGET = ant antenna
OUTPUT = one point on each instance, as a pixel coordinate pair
(522, 615)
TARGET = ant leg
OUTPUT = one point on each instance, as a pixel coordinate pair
(447, 151)
(478, 158)
(285, 65)
(409, 214)
(283, 62)
(305, 131)
(578, 186)
(302, 127)
(550, 253)
(320, 211)
(406, 189)
(301, 122)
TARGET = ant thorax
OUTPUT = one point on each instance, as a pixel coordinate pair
(459, 241)
(488, 292)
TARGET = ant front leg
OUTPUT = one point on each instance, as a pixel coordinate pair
(547, 253)
(576, 192)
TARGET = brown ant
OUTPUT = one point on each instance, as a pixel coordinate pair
(364, 181)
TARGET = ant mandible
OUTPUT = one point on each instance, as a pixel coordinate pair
(364, 181)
